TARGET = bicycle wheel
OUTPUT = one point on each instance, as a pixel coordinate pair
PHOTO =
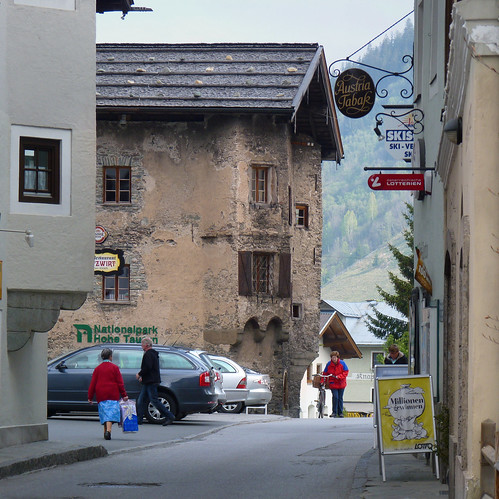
(321, 403)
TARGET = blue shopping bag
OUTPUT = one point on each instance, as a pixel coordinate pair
(128, 416)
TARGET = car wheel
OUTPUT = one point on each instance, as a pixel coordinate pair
(153, 415)
(234, 408)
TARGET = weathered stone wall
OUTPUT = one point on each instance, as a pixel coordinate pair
(190, 215)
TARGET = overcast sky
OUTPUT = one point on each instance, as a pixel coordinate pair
(341, 26)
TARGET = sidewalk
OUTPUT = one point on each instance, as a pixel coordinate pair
(408, 476)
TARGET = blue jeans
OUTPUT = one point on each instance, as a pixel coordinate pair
(337, 400)
(149, 392)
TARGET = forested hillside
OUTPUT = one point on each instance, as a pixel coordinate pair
(357, 220)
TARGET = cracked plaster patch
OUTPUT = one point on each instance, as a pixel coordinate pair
(487, 35)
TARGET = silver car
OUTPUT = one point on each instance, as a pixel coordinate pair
(235, 383)
(219, 388)
(258, 385)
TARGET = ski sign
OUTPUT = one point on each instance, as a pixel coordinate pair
(396, 182)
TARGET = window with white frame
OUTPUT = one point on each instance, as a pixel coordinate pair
(39, 170)
(40, 180)
(301, 215)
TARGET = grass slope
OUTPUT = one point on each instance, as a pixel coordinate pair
(358, 282)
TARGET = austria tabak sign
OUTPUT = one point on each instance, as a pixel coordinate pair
(354, 93)
(396, 182)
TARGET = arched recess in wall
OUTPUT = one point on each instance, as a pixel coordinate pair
(274, 328)
(252, 328)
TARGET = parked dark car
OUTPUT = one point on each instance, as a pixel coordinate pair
(187, 386)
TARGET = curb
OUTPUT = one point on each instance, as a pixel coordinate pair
(52, 459)
(360, 475)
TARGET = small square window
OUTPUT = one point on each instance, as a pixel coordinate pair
(296, 310)
(117, 184)
(39, 170)
(116, 288)
(301, 215)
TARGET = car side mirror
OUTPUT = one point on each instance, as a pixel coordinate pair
(61, 366)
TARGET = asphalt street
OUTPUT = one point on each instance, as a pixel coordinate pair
(214, 455)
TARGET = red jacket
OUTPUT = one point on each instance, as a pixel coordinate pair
(340, 370)
(107, 383)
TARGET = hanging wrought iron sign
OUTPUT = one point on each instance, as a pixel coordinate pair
(354, 93)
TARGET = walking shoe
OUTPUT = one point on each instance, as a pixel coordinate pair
(107, 435)
(341, 416)
(332, 415)
(167, 422)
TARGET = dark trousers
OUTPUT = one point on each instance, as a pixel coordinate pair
(337, 401)
(149, 392)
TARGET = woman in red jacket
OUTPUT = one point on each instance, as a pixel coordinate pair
(108, 387)
(337, 382)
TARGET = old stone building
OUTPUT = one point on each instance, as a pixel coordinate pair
(209, 191)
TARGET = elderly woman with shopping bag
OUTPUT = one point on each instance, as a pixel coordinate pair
(108, 387)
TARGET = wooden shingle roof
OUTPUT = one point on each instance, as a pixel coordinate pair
(157, 81)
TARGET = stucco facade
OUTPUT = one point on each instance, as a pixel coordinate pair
(192, 234)
(426, 325)
(47, 90)
(467, 168)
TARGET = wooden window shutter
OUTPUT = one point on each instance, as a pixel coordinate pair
(284, 275)
(244, 269)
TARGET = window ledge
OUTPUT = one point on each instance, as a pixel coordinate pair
(116, 204)
(109, 302)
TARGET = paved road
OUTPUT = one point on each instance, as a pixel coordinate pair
(257, 457)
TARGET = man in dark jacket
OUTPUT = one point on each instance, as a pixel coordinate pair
(395, 356)
(150, 378)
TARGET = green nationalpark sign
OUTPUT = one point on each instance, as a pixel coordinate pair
(114, 334)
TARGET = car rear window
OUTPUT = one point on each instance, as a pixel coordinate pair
(170, 360)
(224, 367)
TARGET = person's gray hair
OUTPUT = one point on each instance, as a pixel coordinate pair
(106, 353)
(147, 341)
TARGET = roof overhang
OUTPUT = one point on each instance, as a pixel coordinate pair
(124, 6)
(335, 336)
(314, 111)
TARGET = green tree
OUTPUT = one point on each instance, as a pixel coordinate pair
(372, 207)
(384, 326)
(349, 225)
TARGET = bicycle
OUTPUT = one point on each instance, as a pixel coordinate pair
(319, 381)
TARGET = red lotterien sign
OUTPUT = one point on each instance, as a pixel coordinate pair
(396, 182)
